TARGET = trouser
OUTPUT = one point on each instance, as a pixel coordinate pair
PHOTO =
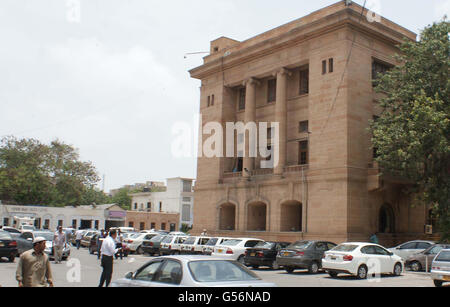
(107, 264)
(78, 243)
(58, 251)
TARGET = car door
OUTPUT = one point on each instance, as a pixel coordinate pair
(406, 250)
(318, 250)
(386, 260)
(145, 275)
(170, 274)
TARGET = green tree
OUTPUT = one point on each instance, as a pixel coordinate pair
(122, 198)
(412, 133)
(39, 174)
(92, 195)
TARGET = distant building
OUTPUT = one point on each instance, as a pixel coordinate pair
(149, 185)
(177, 199)
(84, 217)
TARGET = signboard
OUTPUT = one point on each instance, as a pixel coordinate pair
(117, 214)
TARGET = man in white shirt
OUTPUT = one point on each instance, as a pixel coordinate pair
(108, 251)
(78, 237)
(59, 240)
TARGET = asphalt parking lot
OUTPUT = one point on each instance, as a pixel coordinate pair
(87, 274)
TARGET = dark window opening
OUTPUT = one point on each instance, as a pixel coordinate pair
(303, 127)
(242, 99)
(304, 82)
(330, 65)
(378, 69)
(272, 90)
(303, 153)
(324, 67)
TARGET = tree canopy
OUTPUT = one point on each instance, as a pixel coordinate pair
(412, 134)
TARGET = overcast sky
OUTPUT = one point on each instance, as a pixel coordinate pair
(113, 82)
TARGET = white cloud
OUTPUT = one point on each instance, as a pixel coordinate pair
(442, 9)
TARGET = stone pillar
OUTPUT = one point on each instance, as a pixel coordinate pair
(281, 117)
(250, 116)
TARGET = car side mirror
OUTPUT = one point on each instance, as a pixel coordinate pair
(129, 275)
(391, 254)
(29, 239)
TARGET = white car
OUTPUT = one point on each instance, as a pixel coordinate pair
(27, 228)
(171, 245)
(361, 260)
(440, 269)
(234, 249)
(192, 271)
(213, 242)
(134, 241)
(194, 245)
(408, 249)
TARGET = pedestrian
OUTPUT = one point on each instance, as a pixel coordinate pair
(100, 238)
(34, 268)
(374, 239)
(108, 251)
(78, 237)
(59, 240)
(119, 245)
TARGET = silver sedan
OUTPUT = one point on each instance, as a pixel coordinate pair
(192, 271)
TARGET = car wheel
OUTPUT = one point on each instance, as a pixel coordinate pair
(438, 283)
(362, 272)
(12, 258)
(416, 266)
(289, 270)
(398, 270)
(313, 268)
(139, 251)
(275, 265)
(333, 274)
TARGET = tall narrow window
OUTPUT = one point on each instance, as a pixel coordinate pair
(330, 65)
(304, 81)
(241, 99)
(303, 127)
(209, 101)
(303, 153)
(212, 100)
(324, 67)
(271, 90)
(378, 69)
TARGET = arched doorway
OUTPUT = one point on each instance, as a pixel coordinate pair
(227, 217)
(386, 220)
(256, 216)
(291, 216)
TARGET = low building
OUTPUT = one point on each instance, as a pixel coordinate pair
(84, 217)
(178, 198)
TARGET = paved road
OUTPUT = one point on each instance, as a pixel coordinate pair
(90, 272)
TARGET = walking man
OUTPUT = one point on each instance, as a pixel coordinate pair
(59, 240)
(100, 239)
(78, 237)
(34, 268)
(108, 251)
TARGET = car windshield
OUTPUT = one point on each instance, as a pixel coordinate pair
(48, 236)
(190, 241)
(136, 235)
(443, 256)
(158, 238)
(220, 271)
(300, 245)
(27, 227)
(167, 239)
(212, 241)
(345, 248)
(231, 242)
(5, 235)
(267, 245)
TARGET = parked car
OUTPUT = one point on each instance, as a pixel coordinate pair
(193, 245)
(73, 240)
(8, 246)
(86, 240)
(24, 243)
(440, 271)
(124, 229)
(410, 248)
(264, 254)
(152, 246)
(356, 259)
(11, 229)
(23, 228)
(234, 249)
(134, 242)
(178, 233)
(213, 242)
(171, 245)
(418, 262)
(48, 235)
(192, 271)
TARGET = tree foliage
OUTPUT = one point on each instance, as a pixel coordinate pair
(40, 174)
(412, 133)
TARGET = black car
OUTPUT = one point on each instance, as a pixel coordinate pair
(151, 247)
(264, 254)
(8, 246)
(304, 255)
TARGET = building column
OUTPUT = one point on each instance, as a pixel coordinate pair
(281, 118)
(250, 117)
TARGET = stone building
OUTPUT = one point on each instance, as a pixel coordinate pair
(313, 76)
